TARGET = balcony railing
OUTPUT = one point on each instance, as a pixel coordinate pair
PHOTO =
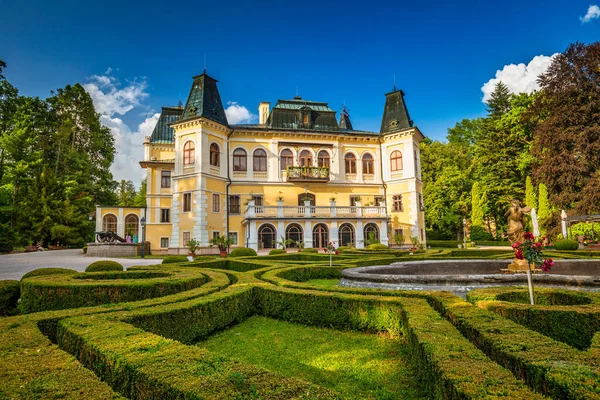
(307, 174)
(269, 212)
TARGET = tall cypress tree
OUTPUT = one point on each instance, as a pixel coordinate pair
(477, 205)
(530, 196)
(544, 211)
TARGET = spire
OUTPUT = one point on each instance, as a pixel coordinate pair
(395, 114)
(345, 119)
(204, 100)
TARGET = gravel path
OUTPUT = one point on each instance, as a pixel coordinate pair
(14, 266)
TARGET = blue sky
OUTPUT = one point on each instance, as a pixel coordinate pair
(442, 53)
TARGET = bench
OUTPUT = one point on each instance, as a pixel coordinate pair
(29, 249)
(593, 247)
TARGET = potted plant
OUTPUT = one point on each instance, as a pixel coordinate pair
(192, 246)
(223, 242)
(300, 245)
(285, 242)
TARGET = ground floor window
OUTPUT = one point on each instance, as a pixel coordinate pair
(371, 232)
(399, 236)
(216, 234)
(164, 242)
(320, 236)
(132, 225)
(186, 238)
(294, 232)
(233, 236)
(266, 236)
(109, 223)
(346, 235)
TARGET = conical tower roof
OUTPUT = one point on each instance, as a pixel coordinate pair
(395, 114)
(204, 100)
(345, 119)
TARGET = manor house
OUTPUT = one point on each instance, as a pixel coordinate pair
(300, 173)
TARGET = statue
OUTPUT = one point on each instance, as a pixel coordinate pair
(516, 221)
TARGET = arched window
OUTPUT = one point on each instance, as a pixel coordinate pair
(350, 163)
(189, 153)
(346, 235)
(239, 160)
(396, 161)
(132, 225)
(302, 197)
(367, 164)
(109, 223)
(214, 155)
(286, 159)
(260, 160)
(294, 232)
(371, 232)
(320, 236)
(266, 236)
(323, 159)
(305, 158)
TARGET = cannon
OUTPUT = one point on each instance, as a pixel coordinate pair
(108, 237)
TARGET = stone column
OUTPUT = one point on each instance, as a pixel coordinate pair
(360, 235)
(334, 234)
(280, 232)
(307, 208)
(253, 236)
(279, 208)
(333, 209)
(383, 234)
(308, 243)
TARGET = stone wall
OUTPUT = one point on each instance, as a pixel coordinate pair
(116, 249)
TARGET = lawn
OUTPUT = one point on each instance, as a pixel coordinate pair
(323, 282)
(357, 365)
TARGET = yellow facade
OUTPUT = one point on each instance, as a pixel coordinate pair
(264, 183)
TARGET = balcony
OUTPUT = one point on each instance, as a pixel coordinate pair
(308, 211)
(307, 174)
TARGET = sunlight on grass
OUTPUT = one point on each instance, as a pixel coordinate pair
(357, 365)
(323, 282)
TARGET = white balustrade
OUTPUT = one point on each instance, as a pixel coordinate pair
(281, 211)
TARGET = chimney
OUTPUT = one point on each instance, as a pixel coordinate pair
(263, 112)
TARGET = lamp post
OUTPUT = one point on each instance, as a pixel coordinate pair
(143, 222)
(464, 233)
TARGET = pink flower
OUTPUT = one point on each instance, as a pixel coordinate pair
(528, 236)
(516, 245)
(549, 263)
(519, 255)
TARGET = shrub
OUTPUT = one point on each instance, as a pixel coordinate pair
(84, 249)
(174, 259)
(104, 265)
(342, 249)
(9, 295)
(479, 233)
(277, 251)
(48, 271)
(566, 244)
(311, 250)
(377, 246)
(242, 252)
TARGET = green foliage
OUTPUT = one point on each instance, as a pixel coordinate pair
(478, 204)
(193, 245)
(9, 296)
(174, 259)
(104, 265)
(223, 242)
(48, 271)
(530, 196)
(544, 212)
(140, 195)
(585, 229)
(242, 252)
(566, 244)
(478, 233)
(277, 251)
(311, 250)
(125, 193)
(377, 246)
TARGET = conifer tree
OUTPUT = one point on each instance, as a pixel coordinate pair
(530, 196)
(478, 199)
(544, 211)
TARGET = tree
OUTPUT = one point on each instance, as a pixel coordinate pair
(544, 211)
(499, 102)
(126, 193)
(140, 196)
(567, 137)
(530, 196)
(478, 200)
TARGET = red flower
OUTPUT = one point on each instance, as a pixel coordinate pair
(519, 254)
(516, 245)
(549, 263)
(528, 236)
(337, 252)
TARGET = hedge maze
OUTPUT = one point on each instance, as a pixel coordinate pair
(132, 334)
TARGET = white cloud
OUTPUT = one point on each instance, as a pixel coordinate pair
(519, 78)
(593, 12)
(237, 114)
(110, 99)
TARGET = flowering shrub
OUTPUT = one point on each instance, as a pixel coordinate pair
(531, 251)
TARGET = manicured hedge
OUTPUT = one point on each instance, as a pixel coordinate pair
(566, 244)
(9, 296)
(49, 271)
(174, 259)
(104, 265)
(242, 252)
(277, 251)
(311, 250)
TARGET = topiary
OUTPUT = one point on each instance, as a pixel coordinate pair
(9, 296)
(84, 249)
(48, 271)
(377, 246)
(311, 250)
(479, 233)
(277, 251)
(174, 259)
(566, 244)
(242, 252)
(104, 265)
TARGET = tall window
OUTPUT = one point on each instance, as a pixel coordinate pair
(367, 164)
(234, 238)
(132, 225)
(350, 163)
(266, 236)
(234, 204)
(353, 200)
(286, 159)
(187, 202)
(165, 179)
(216, 200)
(164, 242)
(371, 232)
(323, 159)
(397, 203)
(165, 215)
(305, 158)
(294, 233)
(239, 160)
(186, 238)
(189, 153)
(420, 200)
(396, 161)
(258, 199)
(109, 223)
(346, 233)
(259, 160)
(377, 200)
(214, 155)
